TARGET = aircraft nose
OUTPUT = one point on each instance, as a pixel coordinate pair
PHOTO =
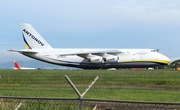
(165, 59)
(168, 60)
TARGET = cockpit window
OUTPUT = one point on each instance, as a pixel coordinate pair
(155, 50)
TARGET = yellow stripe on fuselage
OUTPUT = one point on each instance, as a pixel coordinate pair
(147, 60)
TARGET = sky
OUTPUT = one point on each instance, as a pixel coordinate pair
(92, 24)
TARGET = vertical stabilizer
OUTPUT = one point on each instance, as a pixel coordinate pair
(16, 65)
(32, 39)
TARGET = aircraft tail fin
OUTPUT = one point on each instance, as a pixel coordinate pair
(16, 65)
(32, 39)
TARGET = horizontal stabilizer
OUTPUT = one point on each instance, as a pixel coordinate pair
(23, 51)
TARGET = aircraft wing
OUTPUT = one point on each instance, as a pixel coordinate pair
(98, 53)
(111, 52)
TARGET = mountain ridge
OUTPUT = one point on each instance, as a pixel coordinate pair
(31, 64)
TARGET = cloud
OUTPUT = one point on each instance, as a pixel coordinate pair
(145, 11)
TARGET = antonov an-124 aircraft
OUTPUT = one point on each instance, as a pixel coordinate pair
(38, 48)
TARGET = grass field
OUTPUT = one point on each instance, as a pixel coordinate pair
(143, 85)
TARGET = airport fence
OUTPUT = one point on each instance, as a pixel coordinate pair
(35, 103)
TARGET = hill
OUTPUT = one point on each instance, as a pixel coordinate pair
(33, 64)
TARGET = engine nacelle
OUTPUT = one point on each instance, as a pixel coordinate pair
(95, 59)
(111, 59)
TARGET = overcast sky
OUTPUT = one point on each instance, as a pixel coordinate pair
(92, 24)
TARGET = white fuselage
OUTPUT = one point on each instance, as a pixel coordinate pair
(24, 68)
(128, 58)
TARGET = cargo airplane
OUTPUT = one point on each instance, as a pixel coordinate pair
(37, 48)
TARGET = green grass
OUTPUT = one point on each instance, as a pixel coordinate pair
(144, 85)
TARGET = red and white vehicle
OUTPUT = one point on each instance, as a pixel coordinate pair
(17, 66)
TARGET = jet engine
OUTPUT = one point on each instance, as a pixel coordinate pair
(111, 59)
(95, 59)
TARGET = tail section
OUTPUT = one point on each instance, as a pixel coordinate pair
(16, 65)
(32, 39)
